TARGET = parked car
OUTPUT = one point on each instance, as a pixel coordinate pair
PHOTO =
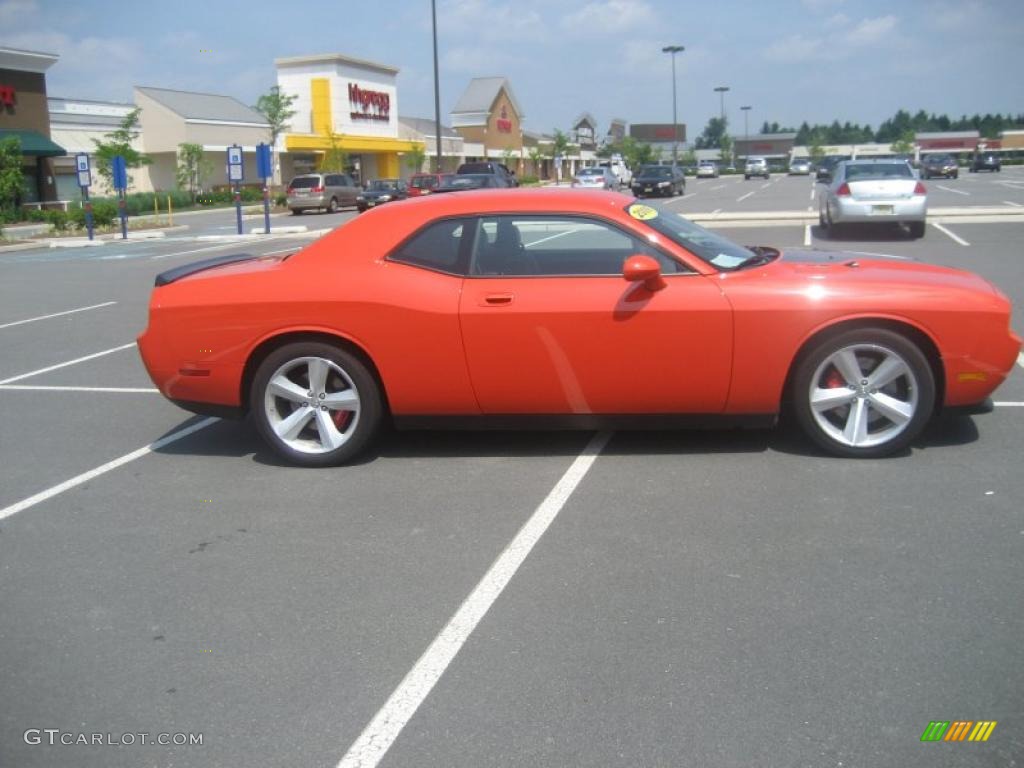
(799, 166)
(874, 192)
(986, 161)
(490, 167)
(707, 169)
(619, 168)
(939, 165)
(596, 178)
(461, 182)
(381, 191)
(663, 180)
(826, 166)
(756, 166)
(321, 191)
(424, 183)
(624, 311)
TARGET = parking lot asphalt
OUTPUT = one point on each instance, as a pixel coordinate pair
(701, 598)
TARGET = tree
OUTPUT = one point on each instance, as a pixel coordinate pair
(192, 166)
(12, 181)
(559, 148)
(415, 158)
(536, 156)
(725, 148)
(507, 156)
(817, 151)
(119, 142)
(712, 134)
(335, 159)
(276, 108)
(904, 145)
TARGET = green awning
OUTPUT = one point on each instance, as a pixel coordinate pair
(34, 144)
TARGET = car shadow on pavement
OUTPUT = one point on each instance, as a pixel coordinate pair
(238, 439)
(863, 233)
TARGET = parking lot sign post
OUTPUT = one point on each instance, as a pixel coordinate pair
(264, 171)
(120, 173)
(235, 177)
(84, 181)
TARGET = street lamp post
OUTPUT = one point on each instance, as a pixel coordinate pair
(437, 92)
(674, 49)
(721, 91)
(746, 128)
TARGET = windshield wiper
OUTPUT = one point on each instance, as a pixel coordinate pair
(760, 254)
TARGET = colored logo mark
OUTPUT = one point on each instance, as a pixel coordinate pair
(958, 730)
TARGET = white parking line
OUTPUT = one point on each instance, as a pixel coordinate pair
(1020, 359)
(720, 186)
(1010, 202)
(744, 197)
(807, 234)
(19, 377)
(717, 210)
(58, 314)
(30, 387)
(85, 477)
(950, 235)
(377, 738)
(1005, 404)
(552, 237)
(950, 189)
(812, 193)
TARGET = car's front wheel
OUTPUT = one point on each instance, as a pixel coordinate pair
(864, 393)
(315, 404)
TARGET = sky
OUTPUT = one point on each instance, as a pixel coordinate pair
(790, 60)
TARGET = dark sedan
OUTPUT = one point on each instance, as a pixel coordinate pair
(465, 181)
(381, 191)
(662, 180)
(986, 161)
(939, 165)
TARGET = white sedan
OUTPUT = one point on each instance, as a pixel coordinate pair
(874, 192)
(595, 178)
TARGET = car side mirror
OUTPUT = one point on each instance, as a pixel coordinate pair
(640, 268)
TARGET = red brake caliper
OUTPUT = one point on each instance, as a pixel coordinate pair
(834, 380)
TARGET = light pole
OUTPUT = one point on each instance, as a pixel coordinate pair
(746, 128)
(437, 91)
(721, 91)
(674, 49)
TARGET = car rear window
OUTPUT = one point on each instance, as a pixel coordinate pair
(875, 171)
(657, 171)
(591, 172)
(423, 182)
(475, 168)
(305, 182)
(436, 247)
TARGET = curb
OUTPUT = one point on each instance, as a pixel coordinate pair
(13, 247)
(73, 242)
(289, 230)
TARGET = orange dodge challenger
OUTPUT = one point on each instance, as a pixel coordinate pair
(559, 308)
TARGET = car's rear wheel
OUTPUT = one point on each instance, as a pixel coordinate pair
(864, 393)
(316, 405)
(332, 207)
(296, 211)
(916, 229)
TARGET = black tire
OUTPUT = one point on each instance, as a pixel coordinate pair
(915, 389)
(917, 229)
(332, 207)
(357, 435)
(746, 178)
(296, 211)
(821, 220)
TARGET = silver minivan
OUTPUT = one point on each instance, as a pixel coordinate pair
(323, 191)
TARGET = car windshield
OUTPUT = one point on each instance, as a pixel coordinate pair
(656, 171)
(470, 180)
(707, 164)
(937, 159)
(381, 185)
(423, 182)
(876, 171)
(714, 249)
(475, 168)
(305, 182)
(591, 172)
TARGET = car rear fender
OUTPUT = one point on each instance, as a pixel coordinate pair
(277, 339)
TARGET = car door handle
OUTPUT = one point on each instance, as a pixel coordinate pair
(497, 299)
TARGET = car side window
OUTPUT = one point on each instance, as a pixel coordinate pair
(533, 245)
(331, 181)
(438, 246)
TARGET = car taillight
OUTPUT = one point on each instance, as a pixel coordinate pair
(844, 190)
(919, 189)
(289, 191)
(317, 190)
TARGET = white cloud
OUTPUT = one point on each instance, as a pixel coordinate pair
(478, 61)
(795, 48)
(608, 16)
(822, 5)
(837, 20)
(483, 20)
(870, 31)
(15, 12)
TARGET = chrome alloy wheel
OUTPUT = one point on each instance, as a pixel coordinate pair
(863, 395)
(312, 405)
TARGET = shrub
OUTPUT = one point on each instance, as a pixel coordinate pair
(57, 219)
(104, 213)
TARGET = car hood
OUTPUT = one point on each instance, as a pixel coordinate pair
(861, 267)
(378, 193)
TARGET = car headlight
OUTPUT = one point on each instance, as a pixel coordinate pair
(360, 199)
(664, 183)
(384, 198)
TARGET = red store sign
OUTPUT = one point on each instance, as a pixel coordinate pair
(7, 95)
(503, 123)
(368, 105)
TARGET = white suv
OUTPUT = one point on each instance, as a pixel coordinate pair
(756, 166)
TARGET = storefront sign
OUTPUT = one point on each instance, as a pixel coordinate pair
(369, 105)
(7, 95)
(503, 123)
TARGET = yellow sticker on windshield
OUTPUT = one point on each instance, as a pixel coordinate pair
(642, 212)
